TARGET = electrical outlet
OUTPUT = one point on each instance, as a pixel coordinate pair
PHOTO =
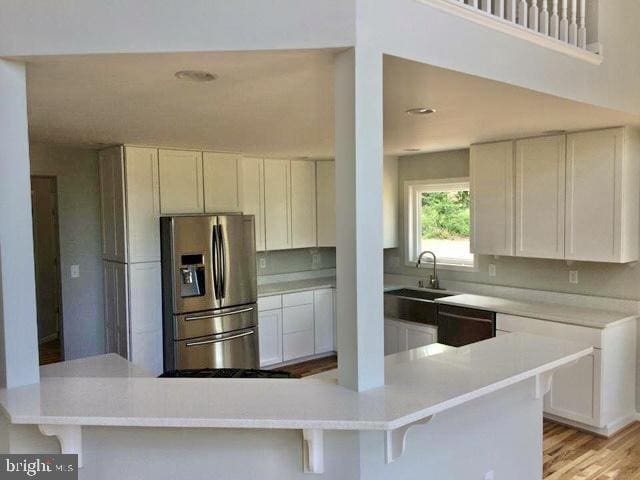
(263, 263)
(316, 259)
(573, 276)
(75, 271)
(492, 270)
(488, 475)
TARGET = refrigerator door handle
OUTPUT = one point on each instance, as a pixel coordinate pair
(223, 264)
(219, 315)
(215, 261)
(218, 340)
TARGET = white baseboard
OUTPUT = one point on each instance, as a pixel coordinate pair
(48, 338)
(608, 431)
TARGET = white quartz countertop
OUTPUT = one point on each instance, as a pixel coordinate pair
(417, 386)
(296, 286)
(586, 317)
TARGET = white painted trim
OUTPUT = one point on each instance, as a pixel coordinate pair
(510, 28)
(69, 436)
(411, 224)
(395, 441)
(543, 384)
(313, 450)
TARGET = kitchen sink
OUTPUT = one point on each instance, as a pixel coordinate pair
(417, 294)
(413, 305)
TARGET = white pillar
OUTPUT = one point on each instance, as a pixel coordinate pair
(359, 244)
(18, 322)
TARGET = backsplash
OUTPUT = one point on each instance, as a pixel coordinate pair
(291, 261)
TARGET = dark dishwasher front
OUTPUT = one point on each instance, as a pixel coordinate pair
(459, 326)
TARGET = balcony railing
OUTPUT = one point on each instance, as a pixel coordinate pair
(559, 24)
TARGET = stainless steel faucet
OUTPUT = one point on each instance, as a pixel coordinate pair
(433, 278)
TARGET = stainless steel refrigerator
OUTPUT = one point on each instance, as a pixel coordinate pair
(209, 292)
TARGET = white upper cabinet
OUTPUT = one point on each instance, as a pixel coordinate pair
(112, 204)
(390, 202)
(492, 198)
(326, 203)
(303, 204)
(221, 182)
(277, 204)
(181, 182)
(602, 196)
(252, 194)
(143, 204)
(540, 197)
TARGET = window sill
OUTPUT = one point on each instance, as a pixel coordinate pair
(456, 267)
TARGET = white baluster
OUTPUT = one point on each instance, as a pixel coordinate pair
(533, 15)
(544, 19)
(582, 29)
(486, 5)
(499, 8)
(554, 21)
(522, 13)
(573, 25)
(512, 10)
(564, 23)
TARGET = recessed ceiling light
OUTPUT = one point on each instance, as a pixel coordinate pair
(420, 111)
(195, 75)
(411, 149)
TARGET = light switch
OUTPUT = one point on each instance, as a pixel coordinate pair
(316, 259)
(573, 276)
(75, 271)
(263, 263)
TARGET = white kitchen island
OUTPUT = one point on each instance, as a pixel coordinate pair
(476, 409)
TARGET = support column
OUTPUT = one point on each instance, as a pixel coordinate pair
(359, 243)
(18, 321)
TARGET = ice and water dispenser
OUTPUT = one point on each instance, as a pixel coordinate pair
(192, 274)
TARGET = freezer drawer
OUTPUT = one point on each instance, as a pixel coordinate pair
(237, 349)
(214, 322)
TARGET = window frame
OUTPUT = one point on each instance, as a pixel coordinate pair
(412, 227)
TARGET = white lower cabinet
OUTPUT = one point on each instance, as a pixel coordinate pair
(598, 391)
(400, 335)
(270, 337)
(296, 325)
(145, 315)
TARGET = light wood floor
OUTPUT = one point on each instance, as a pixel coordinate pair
(573, 455)
(569, 454)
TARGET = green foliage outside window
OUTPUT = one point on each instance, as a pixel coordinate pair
(445, 215)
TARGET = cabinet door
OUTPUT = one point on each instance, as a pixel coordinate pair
(143, 204)
(391, 337)
(594, 195)
(180, 182)
(145, 315)
(252, 194)
(277, 204)
(326, 203)
(492, 198)
(110, 165)
(323, 320)
(419, 336)
(298, 332)
(270, 337)
(540, 197)
(115, 308)
(221, 182)
(575, 391)
(303, 204)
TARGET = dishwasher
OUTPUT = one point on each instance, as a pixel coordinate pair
(459, 326)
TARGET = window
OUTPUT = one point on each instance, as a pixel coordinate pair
(438, 219)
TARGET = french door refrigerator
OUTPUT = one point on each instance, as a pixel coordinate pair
(209, 292)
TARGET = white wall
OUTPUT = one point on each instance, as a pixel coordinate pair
(80, 244)
(600, 279)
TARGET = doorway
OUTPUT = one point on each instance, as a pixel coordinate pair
(44, 208)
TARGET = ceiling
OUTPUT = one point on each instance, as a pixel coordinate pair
(276, 103)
